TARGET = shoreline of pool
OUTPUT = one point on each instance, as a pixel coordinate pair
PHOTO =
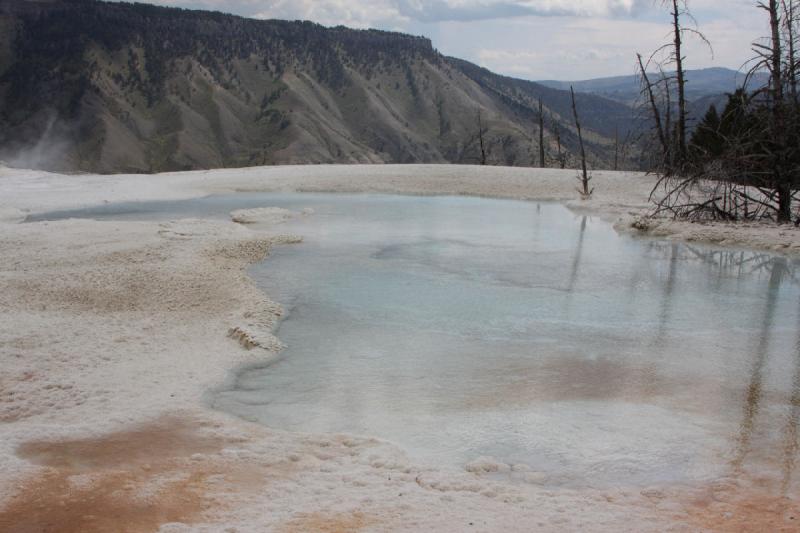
(144, 313)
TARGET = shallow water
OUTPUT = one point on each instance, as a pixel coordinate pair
(462, 327)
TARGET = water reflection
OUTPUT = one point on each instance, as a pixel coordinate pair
(791, 448)
(757, 429)
(576, 262)
(460, 327)
(540, 338)
(667, 301)
(731, 263)
(754, 392)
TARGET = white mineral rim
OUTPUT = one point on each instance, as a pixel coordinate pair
(113, 333)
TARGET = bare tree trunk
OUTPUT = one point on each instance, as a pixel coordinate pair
(584, 174)
(480, 139)
(785, 194)
(616, 148)
(781, 184)
(654, 107)
(760, 151)
(776, 54)
(791, 71)
(676, 26)
(562, 160)
(542, 162)
(671, 132)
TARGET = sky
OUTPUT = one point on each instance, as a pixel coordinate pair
(533, 39)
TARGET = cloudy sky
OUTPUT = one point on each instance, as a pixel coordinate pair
(533, 39)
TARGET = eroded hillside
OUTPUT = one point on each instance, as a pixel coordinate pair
(108, 87)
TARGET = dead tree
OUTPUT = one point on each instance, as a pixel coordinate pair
(562, 158)
(774, 53)
(745, 164)
(679, 11)
(774, 59)
(584, 177)
(789, 22)
(672, 133)
(678, 180)
(625, 143)
(616, 148)
(679, 75)
(542, 162)
(649, 89)
(671, 137)
(480, 139)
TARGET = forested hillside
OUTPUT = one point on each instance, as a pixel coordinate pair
(117, 87)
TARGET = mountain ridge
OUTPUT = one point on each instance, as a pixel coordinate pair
(118, 87)
(701, 83)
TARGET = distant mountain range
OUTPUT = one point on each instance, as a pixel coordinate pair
(117, 87)
(700, 84)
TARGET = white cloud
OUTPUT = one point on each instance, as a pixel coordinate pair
(334, 12)
(563, 39)
(377, 12)
(450, 10)
(570, 48)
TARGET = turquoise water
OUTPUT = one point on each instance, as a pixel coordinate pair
(461, 327)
